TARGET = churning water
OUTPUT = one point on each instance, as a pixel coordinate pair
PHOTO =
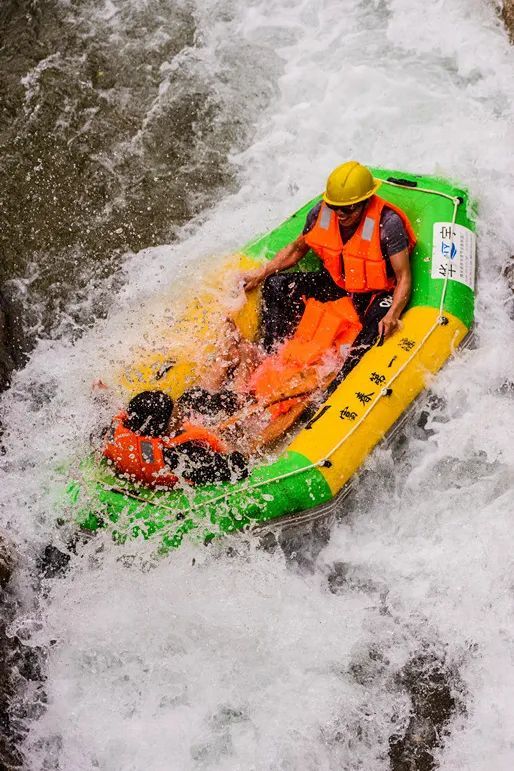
(206, 123)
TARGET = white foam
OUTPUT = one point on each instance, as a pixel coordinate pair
(241, 663)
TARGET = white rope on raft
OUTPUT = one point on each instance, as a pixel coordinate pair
(456, 200)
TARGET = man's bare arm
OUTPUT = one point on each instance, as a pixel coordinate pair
(285, 258)
(401, 265)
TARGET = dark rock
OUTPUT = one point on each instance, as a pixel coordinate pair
(7, 560)
(371, 664)
(20, 665)
(508, 274)
(82, 182)
(430, 683)
(6, 353)
(10, 758)
(507, 388)
(302, 544)
(53, 562)
(507, 14)
(338, 577)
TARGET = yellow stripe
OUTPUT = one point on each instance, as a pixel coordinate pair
(363, 386)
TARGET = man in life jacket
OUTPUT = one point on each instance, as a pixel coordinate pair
(364, 244)
(149, 445)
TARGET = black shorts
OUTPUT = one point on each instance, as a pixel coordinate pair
(283, 305)
(371, 307)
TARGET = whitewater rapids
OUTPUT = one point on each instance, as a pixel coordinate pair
(215, 661)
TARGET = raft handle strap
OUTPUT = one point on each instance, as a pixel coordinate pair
(402, 182)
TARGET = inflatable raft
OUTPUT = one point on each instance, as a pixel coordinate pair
(314, 470)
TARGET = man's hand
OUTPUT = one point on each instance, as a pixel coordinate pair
(388, 326)
(284, 259)
(391, 321)
(99, 385)
(253, 278)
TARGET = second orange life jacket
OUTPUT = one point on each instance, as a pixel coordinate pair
(298, 365)
(141, 457)
(357, 265)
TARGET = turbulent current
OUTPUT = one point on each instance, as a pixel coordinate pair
(141, 141)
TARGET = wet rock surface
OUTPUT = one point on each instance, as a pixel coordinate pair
(22, 672)
(508, 275)
(7, 560)
(22, 666)
(114, 132)
(9, 756)
(507, 14)
(430, 683)
(6, 344)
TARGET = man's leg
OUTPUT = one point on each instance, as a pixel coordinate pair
(282, 303)
(370, 311)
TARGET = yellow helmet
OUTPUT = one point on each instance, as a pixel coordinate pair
(350, 183)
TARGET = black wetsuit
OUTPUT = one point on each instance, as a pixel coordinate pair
(201, 465)
(197, 463)
(283, 292)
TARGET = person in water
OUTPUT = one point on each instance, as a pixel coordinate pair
(153, 444)
(364, 244)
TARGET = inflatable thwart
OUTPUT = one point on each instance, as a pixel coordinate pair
(321, 454)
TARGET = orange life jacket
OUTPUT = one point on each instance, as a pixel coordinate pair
(141, 457)
(295, 368)
(357, 265)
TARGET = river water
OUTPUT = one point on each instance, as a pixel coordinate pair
(133, 125)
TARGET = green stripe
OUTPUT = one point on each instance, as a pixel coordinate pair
(175, 513)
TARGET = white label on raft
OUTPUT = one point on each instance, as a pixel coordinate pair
(455, 256)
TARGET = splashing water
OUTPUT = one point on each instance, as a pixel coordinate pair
(209, 660)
